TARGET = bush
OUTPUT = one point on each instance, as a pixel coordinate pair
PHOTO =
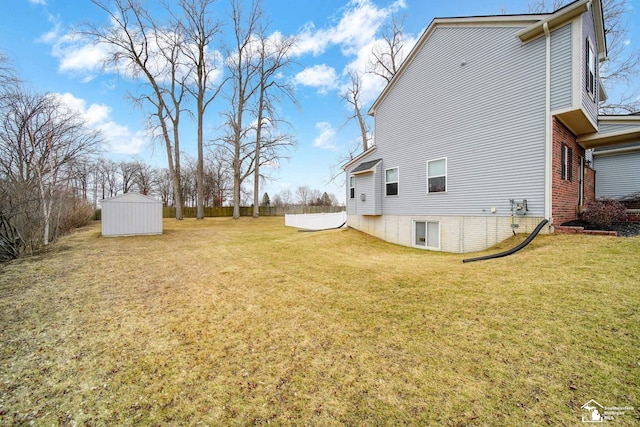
(604, 212)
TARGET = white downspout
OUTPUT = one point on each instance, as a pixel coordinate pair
(548, 169)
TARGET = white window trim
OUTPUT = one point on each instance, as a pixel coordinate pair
(391, 182)
(591, 69)
(446, 176)
(352, 178)
(426, 222)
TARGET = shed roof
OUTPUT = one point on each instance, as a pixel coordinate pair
(131, 198)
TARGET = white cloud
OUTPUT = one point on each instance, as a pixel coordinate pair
(354, 32)
(76, 55)
(321, 76)
(326, 139)
(119, 139)
(357, 26)
(40, 2)
(79, 56)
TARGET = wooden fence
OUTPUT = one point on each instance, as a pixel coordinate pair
(190, 212)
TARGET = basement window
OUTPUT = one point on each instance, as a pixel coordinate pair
(426, 234)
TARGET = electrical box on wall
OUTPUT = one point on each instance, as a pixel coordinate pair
(519, 207)
(363, 197)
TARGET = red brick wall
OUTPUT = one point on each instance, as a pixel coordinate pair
(565, 193)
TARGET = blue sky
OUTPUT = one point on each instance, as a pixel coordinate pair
(334, 35)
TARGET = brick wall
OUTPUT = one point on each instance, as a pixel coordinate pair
(565, 193)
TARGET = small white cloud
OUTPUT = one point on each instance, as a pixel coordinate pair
(38, 2)
(119, 139)
(326, 139)
(76, 54)
(321, 76)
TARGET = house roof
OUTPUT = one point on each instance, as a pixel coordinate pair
(533, 27)
(632, 147)
(359, 157)
(629, 132)
(366, 166)
(564, 15)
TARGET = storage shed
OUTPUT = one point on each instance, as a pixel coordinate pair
(131, 214)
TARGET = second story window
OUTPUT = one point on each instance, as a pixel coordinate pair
(391, 182)
(590, 67)
(437, 176)
(352, 187)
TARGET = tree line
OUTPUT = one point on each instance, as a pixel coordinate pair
(43, 145)
(178, 50)
(52, 174)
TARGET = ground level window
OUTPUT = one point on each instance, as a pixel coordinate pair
(427, 234)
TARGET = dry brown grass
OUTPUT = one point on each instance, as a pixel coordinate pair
(223, 322)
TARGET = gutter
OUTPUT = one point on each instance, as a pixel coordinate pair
(548, 135)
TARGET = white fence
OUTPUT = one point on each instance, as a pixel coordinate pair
(321, 221)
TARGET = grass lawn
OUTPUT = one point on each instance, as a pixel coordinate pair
(223, 322)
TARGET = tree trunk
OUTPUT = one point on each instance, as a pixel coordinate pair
(200, 161)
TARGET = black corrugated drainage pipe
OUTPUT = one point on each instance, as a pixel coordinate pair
(512, 250)
(306, 230)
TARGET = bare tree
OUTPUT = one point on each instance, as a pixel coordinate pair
(110, 178)
(145, 178)
(387, 56)
(243, 73)
(623, 64)
(146, 49)
(189, 191)
(200, 30)
(285, 197)
(165, 187)
(541, 6)
(40, 139)
(273, 57)
(218, 182)
(128, 171)
(352, 97)
(8, 79)
(303, 193)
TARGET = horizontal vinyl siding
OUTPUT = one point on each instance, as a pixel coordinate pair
(365, 185)
(588, 31)
(378, 188)
(604, 128)
(617, 175)
(486, 117)
(561, 70)
(371, 184)
(121, 219)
